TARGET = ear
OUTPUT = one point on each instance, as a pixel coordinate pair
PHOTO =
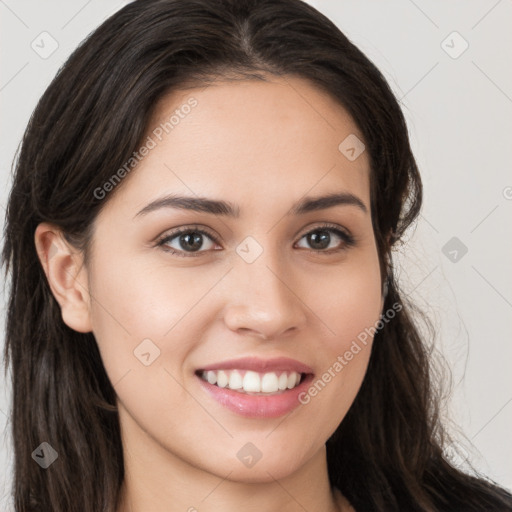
(66, 274)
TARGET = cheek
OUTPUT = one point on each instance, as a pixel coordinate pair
(142, 297)
(141, 322)
(347, 303)
(133, 303)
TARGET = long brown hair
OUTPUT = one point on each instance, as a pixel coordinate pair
(387, 454)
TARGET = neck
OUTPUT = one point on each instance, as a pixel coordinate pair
(160, 481)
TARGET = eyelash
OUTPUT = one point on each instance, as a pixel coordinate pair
(348, 240)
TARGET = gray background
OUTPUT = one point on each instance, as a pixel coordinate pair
(458, 104)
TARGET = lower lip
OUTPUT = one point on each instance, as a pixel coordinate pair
(258, 406)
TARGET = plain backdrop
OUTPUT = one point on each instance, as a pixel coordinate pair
(449, 65)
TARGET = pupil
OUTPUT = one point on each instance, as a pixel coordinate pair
(193, 242)
(320, 242)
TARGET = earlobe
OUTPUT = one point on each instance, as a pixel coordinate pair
(66, 275)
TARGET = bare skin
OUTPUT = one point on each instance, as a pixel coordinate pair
(262, 146)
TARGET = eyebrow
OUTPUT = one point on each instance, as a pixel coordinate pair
(218, 207)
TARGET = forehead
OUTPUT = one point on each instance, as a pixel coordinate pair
(248, 142)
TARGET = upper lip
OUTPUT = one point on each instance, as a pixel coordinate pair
(261, 365)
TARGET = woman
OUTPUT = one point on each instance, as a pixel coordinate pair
(203, 313)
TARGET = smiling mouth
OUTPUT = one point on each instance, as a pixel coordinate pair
(251, 382)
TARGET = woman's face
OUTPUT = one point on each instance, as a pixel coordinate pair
(253, 285)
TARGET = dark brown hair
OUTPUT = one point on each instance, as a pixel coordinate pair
(387, 454)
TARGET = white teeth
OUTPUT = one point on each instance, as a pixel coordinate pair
(283, 381)
(269, 383)
(222, 379)
(235, 380)
(211, 377)
(252, 382)
(246, 381)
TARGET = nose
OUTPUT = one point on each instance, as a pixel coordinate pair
(264, 299)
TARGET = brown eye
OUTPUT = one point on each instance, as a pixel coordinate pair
(321, 238)
(188, 240)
